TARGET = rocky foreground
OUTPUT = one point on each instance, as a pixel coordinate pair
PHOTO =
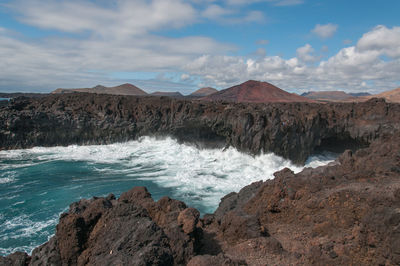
(346, 213)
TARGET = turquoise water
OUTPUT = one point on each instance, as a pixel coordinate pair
(4, 99)
(38, 184)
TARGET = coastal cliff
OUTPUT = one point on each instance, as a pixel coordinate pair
(343, 213)
(346, 213)
(292, 130)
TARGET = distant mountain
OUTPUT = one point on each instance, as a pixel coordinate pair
(124, 89)
(255, 92)
(174, 94)
(203, 92)
(359, 94)
(389, 96)
(329, 96)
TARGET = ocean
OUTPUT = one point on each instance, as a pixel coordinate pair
(38, 184)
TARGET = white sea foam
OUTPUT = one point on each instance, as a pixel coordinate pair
(22, 226)
(7, 177)
(203, 175)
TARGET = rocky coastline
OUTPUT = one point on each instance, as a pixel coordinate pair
(345, 213)
(291, 130)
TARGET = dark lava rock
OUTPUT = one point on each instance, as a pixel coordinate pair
(15, 259)
(291, 130)
(346, 213)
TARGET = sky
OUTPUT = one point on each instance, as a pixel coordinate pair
(178, 45)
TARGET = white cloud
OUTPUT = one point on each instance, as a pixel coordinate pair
(306, 53)
(122, 19)
(355, 68)
(232, 16)
(216, 12)
(325, 31)
(122, 39)
(382, 40)
(185, 77)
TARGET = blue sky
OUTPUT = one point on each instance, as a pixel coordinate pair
(177, 45)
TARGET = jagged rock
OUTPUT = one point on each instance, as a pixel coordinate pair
(188, 219)
(291, 130)
(346, 213)
(15, 259)
(220, 259)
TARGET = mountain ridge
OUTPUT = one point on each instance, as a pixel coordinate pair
(253, 91)
(123, 89)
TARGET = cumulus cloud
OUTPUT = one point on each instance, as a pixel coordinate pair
(306, 54)
(355, 68)
(325, 31)
(381, 40)
(216, 11)
(104, 39)
(122, 19)
(119, 38)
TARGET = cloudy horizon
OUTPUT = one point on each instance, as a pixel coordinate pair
(177, 45)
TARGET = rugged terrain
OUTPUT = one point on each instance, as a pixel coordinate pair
(292, 130)
(346, 213)
(343, 213)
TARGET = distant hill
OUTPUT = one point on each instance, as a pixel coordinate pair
(124, 89)
(389, 96)
(328, 96)
(203, 92)
(174, 94)
(359, 94)
(334, 96)
(255, 92)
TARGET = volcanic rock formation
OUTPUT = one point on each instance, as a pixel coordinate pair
(124, 89)
(346, 213)
(255, 92)
(291, 130)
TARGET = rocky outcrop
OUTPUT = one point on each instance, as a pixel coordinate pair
(133, 230)
(345, 213)
(291, 130)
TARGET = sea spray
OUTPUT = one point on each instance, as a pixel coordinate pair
(37, 184)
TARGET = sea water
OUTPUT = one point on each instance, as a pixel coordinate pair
(38, 184)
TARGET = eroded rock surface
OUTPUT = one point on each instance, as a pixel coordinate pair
(346, 213)
(291, 130)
